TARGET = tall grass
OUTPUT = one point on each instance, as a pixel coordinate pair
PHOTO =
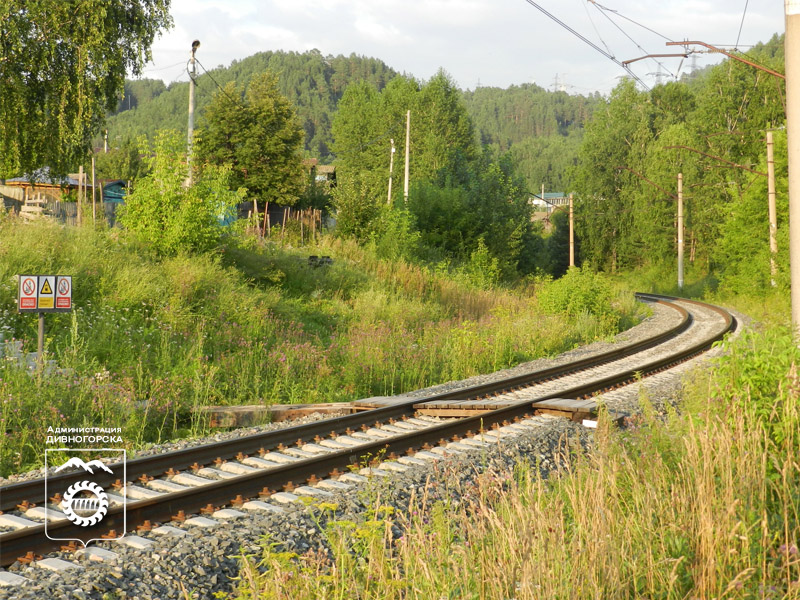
(705, 506)
(150, 340)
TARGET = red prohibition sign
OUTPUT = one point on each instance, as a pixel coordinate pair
(28, 287)
(63, 287)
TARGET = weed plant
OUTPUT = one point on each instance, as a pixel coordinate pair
(152, 338)
(705, 505)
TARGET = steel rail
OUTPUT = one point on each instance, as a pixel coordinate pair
(164, 507)
(14, 494)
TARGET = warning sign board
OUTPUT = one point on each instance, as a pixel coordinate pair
(28, 285)
(47, 294)
(63, 292)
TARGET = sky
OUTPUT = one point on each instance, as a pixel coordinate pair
(478, 42)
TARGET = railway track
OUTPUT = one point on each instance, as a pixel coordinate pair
(226, 479)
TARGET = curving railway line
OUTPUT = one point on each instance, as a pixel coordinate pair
(246, 473)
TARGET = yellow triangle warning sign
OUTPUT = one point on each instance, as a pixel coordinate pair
(46, 289)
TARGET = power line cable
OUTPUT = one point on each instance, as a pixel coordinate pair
(741, 24)
(162, 68)
(221, 89)
(174, 79)
(586, 8)
(619, 14)
(625, 33)
(589, 42)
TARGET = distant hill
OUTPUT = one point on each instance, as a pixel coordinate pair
(313, 83)
(542, 129)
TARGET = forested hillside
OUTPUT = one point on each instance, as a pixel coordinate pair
(541, 129)
(312, 82)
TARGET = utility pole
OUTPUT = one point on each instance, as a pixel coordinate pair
(94, 195)
(81, 183)
(571, 236)
(791, 48)
(408, 144)
(192, 84)
(773, 219)
(680, 231)
(391, 166)
(548, 208)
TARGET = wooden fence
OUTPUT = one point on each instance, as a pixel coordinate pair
(309, 221)
(67, 212)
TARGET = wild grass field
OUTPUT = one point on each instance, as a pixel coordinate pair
(151, 339)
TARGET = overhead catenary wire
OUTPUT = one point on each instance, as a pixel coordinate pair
(588, 41)
(744, 13)
(620, 15)
(594, 26)
(737, 46)
(625, 33)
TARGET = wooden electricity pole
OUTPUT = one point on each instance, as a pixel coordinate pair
(791, 48)
(391, 166)
(94, 196)
(408, 145)
(571, 235)
(680, 231)
(80, 195)
(773, 219)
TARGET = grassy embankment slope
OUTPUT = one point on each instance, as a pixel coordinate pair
(151, 339)
(704, 505)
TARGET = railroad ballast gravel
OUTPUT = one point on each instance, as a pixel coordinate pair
(204, 561)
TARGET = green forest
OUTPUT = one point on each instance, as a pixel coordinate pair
(477, 156)
(712, 129)
(541, 129)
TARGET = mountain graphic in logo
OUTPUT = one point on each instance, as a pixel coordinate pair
(77, 462)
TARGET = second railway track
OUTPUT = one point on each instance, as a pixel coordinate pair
(247, 472)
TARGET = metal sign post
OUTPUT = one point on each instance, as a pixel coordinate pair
(44, 294)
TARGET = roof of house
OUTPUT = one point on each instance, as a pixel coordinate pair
(550, 195)
(44, 175)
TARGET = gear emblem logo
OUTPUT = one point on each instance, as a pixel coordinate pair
(96, 506)
(80, 503)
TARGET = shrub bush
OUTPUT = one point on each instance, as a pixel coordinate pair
(171, 216)
(579, 292)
